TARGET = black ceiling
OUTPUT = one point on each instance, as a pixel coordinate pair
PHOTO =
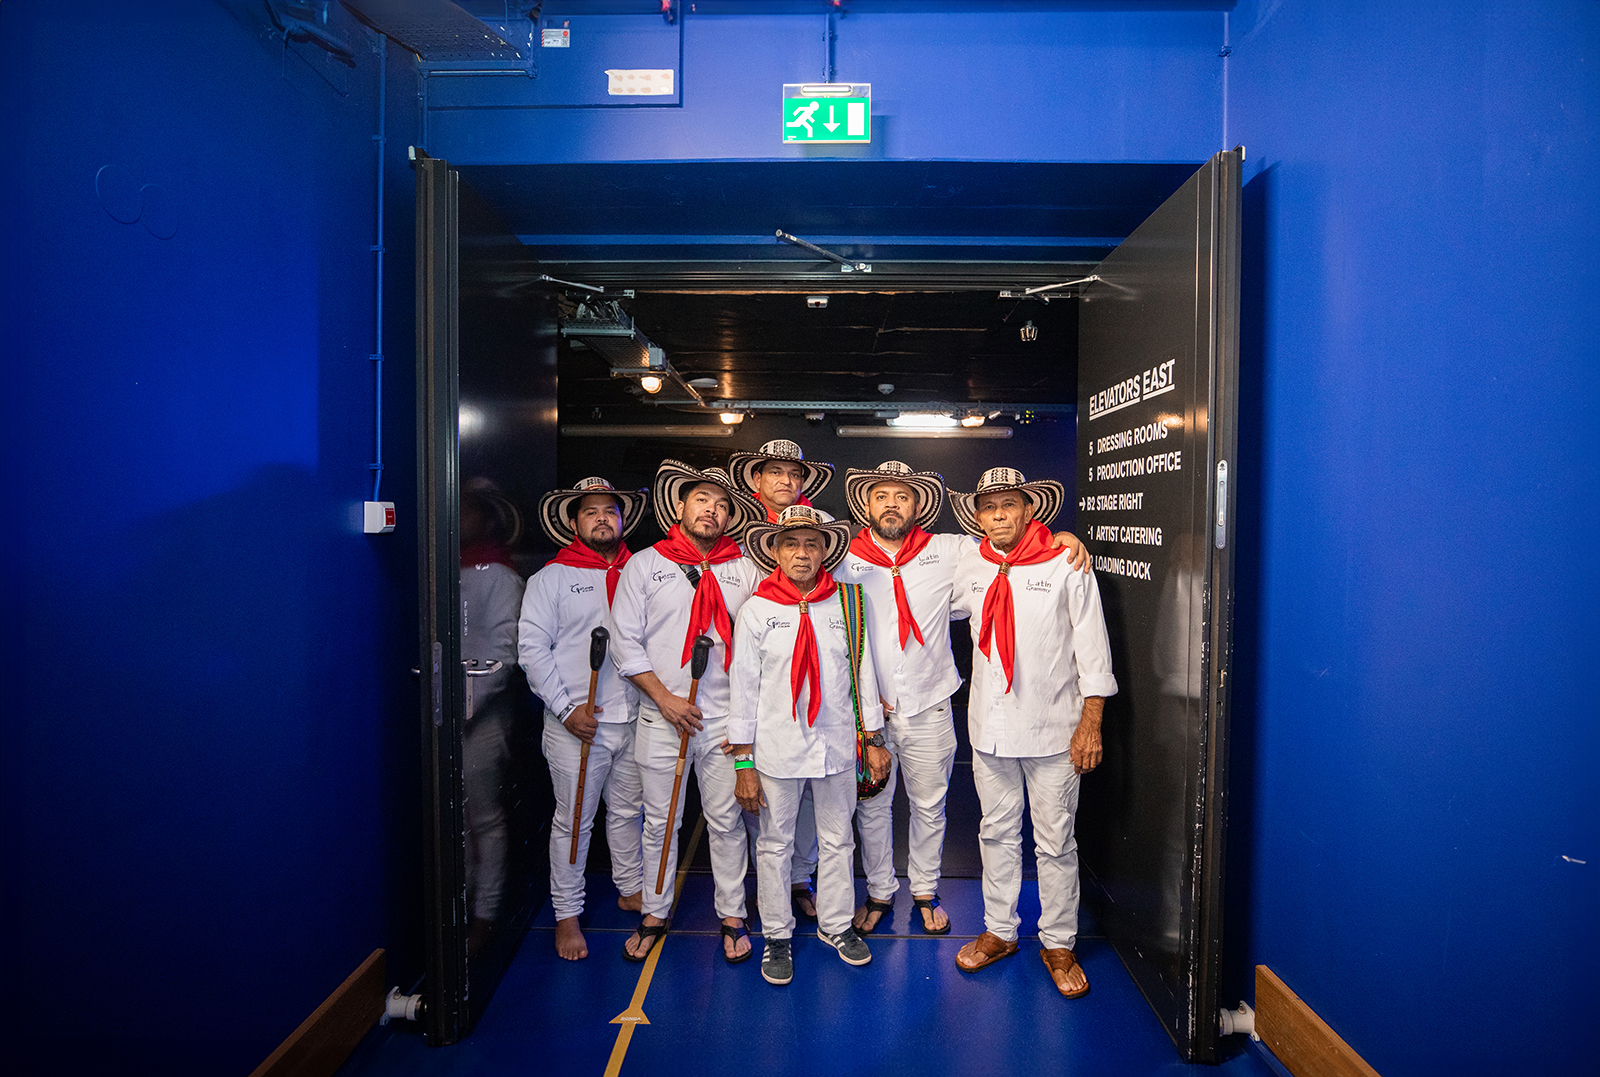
(959, 347)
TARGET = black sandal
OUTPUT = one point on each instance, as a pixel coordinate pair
(646, 931)
(882, 908)
(795, 894)
(736, 933)
(930, 903)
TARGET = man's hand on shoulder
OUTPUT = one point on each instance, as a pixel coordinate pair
(1077, 553)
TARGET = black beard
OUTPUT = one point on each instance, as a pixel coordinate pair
(892, 534)
(607, 550)
(709, 534)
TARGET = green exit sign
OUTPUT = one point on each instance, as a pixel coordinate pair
(840, 112)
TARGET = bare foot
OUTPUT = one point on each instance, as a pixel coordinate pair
(934, 920)
(733, 949)
(631, 902)
(1066, 972)
(639, 946)
(569, 940)
(866, 918)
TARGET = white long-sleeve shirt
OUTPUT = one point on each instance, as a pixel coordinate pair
(650, 617)
(921, 674)
(1062, 655)
(562, 606)
(490, 595)
(764, 710)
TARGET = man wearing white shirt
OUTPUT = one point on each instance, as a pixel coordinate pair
(564, 603)
(692, 583)
(1041, 669)
(799, 690)
(908, 575)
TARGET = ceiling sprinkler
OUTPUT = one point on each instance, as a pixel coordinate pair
(1030, 333)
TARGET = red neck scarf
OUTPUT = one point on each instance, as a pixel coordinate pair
(869, 551)
(772, 513)
(578, 555)
(485, 552)
(709, 609)
(998, 615)
(804, 665)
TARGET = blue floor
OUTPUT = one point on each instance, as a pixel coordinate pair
(909, 1012)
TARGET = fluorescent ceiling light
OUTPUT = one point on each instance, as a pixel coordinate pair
(643, 430)
(922, 420)
(986, 432)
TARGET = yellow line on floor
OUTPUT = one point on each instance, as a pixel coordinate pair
(633, 1016)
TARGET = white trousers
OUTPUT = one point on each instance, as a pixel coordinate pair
(656, 747)
(613, 771)
(485, 755)
(804, 863)
(834, 798)
(1052, 785)
(922, 749)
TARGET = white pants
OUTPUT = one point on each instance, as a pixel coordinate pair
(485, 754)
(835, 798)
(612, 770)
(1052, 784)
(656, 747)
(922, 748)
(804, 863)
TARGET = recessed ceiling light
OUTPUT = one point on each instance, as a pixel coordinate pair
(732, 418)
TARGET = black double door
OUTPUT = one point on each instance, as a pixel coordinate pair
(1158, 362)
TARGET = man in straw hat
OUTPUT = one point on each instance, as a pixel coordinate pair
(691, 583)
(778, 475)
(803, 674)
(908, 576)
(565, 601)
(1041, 669)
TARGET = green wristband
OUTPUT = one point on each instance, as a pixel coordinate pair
(748, 764)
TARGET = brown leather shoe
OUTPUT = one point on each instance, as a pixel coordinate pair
(983, 951)
(1060, 961)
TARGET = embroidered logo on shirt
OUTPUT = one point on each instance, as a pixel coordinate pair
(1038, 585)
(773, 622)
(928, 559)
(581, 589)
(977, 588)
(663, 574)
(836, 624)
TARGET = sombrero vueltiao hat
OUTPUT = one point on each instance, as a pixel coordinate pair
(1047, 496)
(743, 465)
(554, 508)
(928, 485)
(674, 477)
(760, 541)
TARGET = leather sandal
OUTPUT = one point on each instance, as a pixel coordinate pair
(988, 947)
(930, 904)
(653, 932)
(873, 905)
(736, 933)
(1061, 960)
(796, 893)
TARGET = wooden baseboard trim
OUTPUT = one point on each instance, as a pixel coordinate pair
(325, 1039)
(1300, 1039)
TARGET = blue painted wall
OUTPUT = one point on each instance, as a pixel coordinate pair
(1417, 728)
(208, 761)
(1068, 82)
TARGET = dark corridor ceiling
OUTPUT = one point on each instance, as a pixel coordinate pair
(955, 347)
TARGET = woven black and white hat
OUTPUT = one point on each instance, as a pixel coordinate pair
(674, 477)
(928, 485)
(760, 542)
(1047, 496)
(743, 465)
(554, 508)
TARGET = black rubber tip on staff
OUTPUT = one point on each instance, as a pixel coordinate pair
(597, 647)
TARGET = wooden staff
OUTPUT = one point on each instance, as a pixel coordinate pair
(597, 658)
(697, 669)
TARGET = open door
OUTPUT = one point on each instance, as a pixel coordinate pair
(1158, 360)
(443, 688)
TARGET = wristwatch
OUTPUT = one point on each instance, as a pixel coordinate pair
(874, 739)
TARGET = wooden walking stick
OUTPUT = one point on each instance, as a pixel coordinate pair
(697, 669)
(597, 658)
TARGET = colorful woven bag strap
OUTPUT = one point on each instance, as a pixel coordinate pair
(855, 629)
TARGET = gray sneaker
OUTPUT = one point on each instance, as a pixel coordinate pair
(777, 966)
(851, 946)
